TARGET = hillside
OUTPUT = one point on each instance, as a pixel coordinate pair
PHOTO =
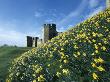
(7, 54)
(81, 54)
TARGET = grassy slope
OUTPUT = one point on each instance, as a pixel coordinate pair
(79, 47)
(7, 54)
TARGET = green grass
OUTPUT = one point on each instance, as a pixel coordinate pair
(7, 54)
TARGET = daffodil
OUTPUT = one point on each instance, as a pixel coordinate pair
(58, 74)
(94, 34)
(104, 48)
(99, 44)
(96, 51)
(65, 71)
(100, 68)
(93, 65)
(96, 47)
(95, 76)
(78, 53)
(48, 65)
(100, 60)
(94, 40)
(41, 78)
(75, 46)
(7, 80)
(34, 81)
(84, 54)
(65, 61)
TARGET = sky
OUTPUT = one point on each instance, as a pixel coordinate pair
(19, 18)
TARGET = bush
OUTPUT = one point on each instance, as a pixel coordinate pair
(82, 54)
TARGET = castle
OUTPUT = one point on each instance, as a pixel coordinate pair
(49, 33)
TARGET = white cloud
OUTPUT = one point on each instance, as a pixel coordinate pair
(94, 12)
(73, 14)
(93, 3)
(61, 29)
(9, 35)
(49, 20)
(38, 14)
(12, 37)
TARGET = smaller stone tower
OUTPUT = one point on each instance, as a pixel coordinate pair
(35, 41)
(29, 41)
(32, 41)
(49, 31)
(107, 3)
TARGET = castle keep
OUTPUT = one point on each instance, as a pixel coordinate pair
(49, 33)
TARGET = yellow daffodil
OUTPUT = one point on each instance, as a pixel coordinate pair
(95, 76)
(65, 61)
(41, 78)
(96, 47)
(100, 60)
(93, 65)
(94, 34)
(65, 71)
(34, 81)
(7, 80)
(78, 53)
(96, 60)
(39, 69)
(99, 44)
(94, 40)
(100, 68)
(96, 51)
(93, 54)
(75, 47)
(104, 48)
(61, 66)
(84, 54)
(48, 65)
(58, 74)
(34, 75)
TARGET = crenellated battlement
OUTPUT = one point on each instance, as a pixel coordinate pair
(49, 25)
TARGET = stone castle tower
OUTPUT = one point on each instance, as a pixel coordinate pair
(32, 41)
(49, 31)
(107, 3)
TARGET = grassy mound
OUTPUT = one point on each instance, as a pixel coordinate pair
(7, 54)
(82, 54)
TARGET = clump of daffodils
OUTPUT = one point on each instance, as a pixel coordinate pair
(81, 52)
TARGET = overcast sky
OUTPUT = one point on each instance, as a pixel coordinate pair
(19, 18)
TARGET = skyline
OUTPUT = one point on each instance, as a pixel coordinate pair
(19, 18)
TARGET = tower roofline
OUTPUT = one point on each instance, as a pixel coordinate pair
(49, 25)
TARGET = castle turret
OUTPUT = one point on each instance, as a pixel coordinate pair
(107, 3)
(29, 41)
(32, 41)
(35, 39)
(49, 31)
